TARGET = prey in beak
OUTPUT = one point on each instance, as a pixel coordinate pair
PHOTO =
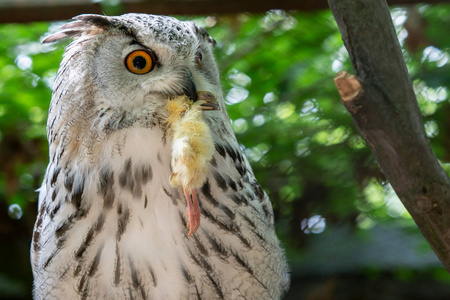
(207, 100)
(192, 146)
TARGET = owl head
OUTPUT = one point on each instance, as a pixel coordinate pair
(130, 56)
(120, 71)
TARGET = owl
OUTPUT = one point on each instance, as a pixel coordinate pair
(111, 224)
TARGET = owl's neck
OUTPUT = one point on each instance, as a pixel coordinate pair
(93, 137)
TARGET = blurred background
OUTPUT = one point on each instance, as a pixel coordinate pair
(346, 234)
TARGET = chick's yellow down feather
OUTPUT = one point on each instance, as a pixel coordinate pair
(192, 151)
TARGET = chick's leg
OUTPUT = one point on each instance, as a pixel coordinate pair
(193, 211)
(196, 209)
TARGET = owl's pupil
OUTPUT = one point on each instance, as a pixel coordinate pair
(139, 62)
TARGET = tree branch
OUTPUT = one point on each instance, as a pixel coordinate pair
(384, 108)
(50, 10)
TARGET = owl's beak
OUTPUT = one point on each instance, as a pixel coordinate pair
(190, 89)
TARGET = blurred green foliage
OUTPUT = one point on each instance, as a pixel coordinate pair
(277, 75)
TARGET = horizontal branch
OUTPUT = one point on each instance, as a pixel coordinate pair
(384, 108)
(32, 11)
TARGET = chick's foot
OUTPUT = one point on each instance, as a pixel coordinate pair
(193, 211)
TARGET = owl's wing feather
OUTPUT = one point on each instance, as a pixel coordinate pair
(238, 225)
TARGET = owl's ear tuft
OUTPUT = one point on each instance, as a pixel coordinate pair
(96, 20)
(203, 33)
(84, 24)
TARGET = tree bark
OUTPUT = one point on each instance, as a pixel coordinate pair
(384, 108)
(50, 10)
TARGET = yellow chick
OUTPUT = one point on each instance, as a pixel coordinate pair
(192, 149)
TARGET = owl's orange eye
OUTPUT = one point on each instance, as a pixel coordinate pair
(140, 61)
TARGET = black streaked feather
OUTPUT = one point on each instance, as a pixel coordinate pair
(105, 186)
